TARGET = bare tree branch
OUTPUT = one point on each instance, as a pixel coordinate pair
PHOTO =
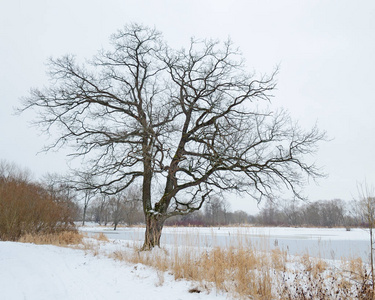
(186, 120)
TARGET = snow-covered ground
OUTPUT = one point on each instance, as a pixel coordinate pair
(37, 272)
(44, 272)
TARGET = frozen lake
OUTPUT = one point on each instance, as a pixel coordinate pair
(330, 243)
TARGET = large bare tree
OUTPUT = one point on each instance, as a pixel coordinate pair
(184, 123)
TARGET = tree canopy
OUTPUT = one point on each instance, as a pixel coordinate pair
(184, 123)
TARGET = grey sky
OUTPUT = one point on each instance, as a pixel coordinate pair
(325, 50)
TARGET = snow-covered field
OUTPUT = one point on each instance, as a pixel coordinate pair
(43, 272)
(37, 272)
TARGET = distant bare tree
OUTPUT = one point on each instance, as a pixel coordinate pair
(100, 210)
(240, 217)
(270, 214)
(61, 191)
(332, 213)
(125, 207)
(84, 184)
(133, 206)
(214, 211)
(292, 212)
(312, 214)
(87, 197)
(183, 122)
(116, 206)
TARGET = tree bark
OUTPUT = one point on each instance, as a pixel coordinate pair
(154, 226)
(84, 215)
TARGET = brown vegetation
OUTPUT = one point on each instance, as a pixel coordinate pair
(28, 208)
(63, 238)
(253, 272)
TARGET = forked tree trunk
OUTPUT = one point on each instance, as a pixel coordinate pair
(154, 226)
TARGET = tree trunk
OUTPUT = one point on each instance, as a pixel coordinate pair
(84, 215)
(154, 226)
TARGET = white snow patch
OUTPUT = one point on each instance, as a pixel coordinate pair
(38, 272)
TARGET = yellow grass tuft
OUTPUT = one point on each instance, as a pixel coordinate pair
(63, 238)
(101, 237)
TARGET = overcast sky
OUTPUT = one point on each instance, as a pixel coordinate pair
(325, 51)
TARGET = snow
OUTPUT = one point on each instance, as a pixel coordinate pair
(278, 232)
(325, 234)
(329, 243)
(37, 272)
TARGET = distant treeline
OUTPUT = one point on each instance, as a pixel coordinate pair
(330, 213)
(217, 212)
(324, 213)
(50, 205)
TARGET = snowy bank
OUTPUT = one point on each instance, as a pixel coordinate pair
(38, 272)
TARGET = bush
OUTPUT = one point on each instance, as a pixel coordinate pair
(28, 208)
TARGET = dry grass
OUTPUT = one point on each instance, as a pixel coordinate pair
(240, 271)
(243, 271)
(314, 266)
(63, 238)
(255, 272)
(279, 259)
(101, 237)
